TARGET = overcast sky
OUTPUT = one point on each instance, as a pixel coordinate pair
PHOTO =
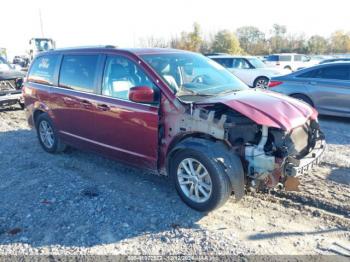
(123, 22)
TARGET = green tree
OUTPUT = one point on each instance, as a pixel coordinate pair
(191, 41)
(226, 42)
(278, 41)
(340, 42)
(252, 40)
(295, 43)
(317, 45)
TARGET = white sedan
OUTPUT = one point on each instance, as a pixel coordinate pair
(249, 69)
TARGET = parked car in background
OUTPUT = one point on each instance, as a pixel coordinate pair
(22, 61)
(10, 85)
(176, 113)
(249, 69)
(325, 87)
(289, 61)
(331, 60)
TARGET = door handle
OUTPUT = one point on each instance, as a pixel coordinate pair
(103, 107)
(68, 100)
(85, 103)
(312, 83)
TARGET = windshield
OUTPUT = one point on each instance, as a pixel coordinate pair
(193, 74)
(43, 44)
(257, 63)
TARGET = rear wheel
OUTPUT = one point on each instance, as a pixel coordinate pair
(47, 134)
(303, 98)
(200, 181)
(261, 82)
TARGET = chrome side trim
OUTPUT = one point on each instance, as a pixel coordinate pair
(105, 145)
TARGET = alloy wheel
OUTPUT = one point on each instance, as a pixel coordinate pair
(194, 180)
(46, 134)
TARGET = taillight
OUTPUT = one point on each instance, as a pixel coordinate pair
(273, 83)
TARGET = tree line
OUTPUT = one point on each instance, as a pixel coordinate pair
(251, 40)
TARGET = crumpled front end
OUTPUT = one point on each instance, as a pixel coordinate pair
(271, 155)
(281, 156)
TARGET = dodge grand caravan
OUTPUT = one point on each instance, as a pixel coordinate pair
(176, 113)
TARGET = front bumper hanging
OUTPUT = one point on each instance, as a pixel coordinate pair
(298, 167)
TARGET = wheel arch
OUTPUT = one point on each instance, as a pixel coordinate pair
(216, 149)
(302, 94)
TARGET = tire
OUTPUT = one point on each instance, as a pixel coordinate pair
(220, 183)
(303, 98)
(288, 68)
(261, 82)
(52, 143)
(21, 105)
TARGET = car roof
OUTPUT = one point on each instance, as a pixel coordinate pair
(285, 54)
(230, 56)
(136, 51)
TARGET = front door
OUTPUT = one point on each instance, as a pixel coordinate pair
(124, 129)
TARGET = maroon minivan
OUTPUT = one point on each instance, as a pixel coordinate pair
(174, 112)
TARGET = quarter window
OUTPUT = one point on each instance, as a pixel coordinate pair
(78, 72)
(241, 63)
(120, 75)
(43, 69)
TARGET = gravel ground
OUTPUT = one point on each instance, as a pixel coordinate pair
(81, 203)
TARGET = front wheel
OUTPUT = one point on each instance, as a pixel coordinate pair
(200, 180)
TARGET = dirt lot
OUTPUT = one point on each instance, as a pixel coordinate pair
(80, 203)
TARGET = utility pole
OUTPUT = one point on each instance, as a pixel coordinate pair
(41, 23)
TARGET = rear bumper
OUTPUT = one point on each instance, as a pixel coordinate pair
(302, 166)
(9, 99)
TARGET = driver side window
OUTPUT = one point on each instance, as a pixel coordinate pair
(121, 74)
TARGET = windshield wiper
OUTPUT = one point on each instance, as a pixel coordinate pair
(183, 91)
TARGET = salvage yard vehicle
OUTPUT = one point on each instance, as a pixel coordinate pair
(10, 85)
(176, 113)
(289, 61)
(251, 70)
(325, 87)
(37, 45)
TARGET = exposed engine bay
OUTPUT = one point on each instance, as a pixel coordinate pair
(268, 154)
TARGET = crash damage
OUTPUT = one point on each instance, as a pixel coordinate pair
(11, 88)
(273, 151)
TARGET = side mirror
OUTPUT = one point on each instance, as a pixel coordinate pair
(142, 94)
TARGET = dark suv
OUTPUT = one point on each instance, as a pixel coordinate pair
(176, 113)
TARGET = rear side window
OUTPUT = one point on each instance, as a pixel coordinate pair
(308, 74)
(78, 72)
(340, 72)
(43, 69)
(285, 58)
(272, 58)
(298, 58)
(225, 62)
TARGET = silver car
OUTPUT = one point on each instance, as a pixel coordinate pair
(326, 87)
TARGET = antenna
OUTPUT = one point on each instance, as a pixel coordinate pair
(41, 23)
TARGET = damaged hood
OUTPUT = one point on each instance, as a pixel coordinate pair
(267, 108)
